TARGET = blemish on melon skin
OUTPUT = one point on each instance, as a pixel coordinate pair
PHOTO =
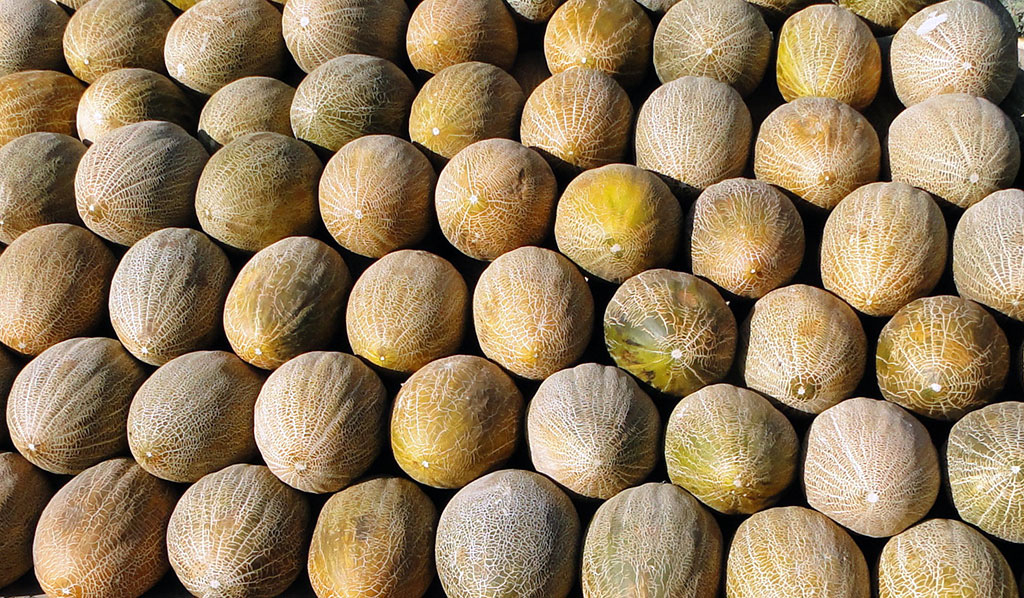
(933, 21)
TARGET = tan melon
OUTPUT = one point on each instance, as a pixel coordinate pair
(127, 96)
(407, 309)
(8, 370)
(316, 31)
(248, 105)
(24, 492)
(885, 16)
(446, 32)
(530, 70)
(37, 182)
(285, 301)
(106, 35)
(53, 286)
(38, 101)
(986, 249)
(533, 11)
(320, 420)
(31, 36)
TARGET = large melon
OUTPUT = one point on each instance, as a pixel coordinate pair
(24, 492)
(446, 32)
(128, 96)
(987, 247)
(885, 16)
(611, 36)
(31, 36)
(316, 31)
(106, 35)
(37, 182)
(38, 101)
(247, 105)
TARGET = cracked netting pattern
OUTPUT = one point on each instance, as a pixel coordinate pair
(747, 237)
(167, 294)
(988, 247)
(316, 31)
(102, 535)
(494, 196)
(944, 557)
(654, 540)
(871, 467)
(139, 179)
(534, 11)
(374, 540)
(958, 46)
(248, 105)
(533, 312)
(985, 458)
(617, 221)
(446, 32)
(407, 309)
(194, 416)
(285, 301)
(793, 552)
(37, 182)
(593, 430)
(530, 69)
(69, 406)
(107, 35)
(24, 492)
(463, 104)
(859, 260)
(671, 330)
(454, 420)
(826, 50)
(820, 149)
(128, 96)
(320, 420)
(34, 101)
(376, 194)
(579, 119)
(956, 147)
(509, 534)
(8, 370)
(53, 286)
(611, 36)
(803, 347)
(351, 96)
(942, 357)
(726, 40)
(731, 449)
(31, 35)
(222, 41)
(259, 189)
(885, 16)
(695, 132)
(238, 533)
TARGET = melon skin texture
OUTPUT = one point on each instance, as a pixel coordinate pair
(454, 420)
(986, 251)
(374, 540)
(238, 532)
(31, 36)
(106, 35)
(285, 301)
(102, 535)
(24, 492)
(37, 182)
(533, 11)
(38, 101)
(247, 105)
(652, 540)
(194, 416)
(53, 286)
(128, 96)
(885, 16)
(509, 534)
(446, 32)
(671, 330)
(316, 31)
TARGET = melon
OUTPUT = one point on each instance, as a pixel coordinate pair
(446, 32)
(127, 96)
(106, 35)
(31, 36)
(24, 492)
(986, 250)
(37, 182)
(247, 105)
(533, 11)
(38, 101)
(885, 16)
(454, 420)
(530, 70)
(316, 31)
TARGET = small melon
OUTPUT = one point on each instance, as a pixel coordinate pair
(248, 105)
(533, 11)
(885, 16)
(106, 35)
(37, 182)
(316, 31)
(987, 249)
(128, 96)
(531, 69)
(38, 101)
(24, 492)
(31, 37)
(446, 32)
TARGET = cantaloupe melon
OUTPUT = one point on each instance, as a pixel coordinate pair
(533, 11)
(316, 31)
(37, 182)
(106, 35)
(247, 105)
(885, 16)
(24, 492)
(31, 36)
(446, 32)
(127, 96)
(986, 249)
(530, 70)
(36, 101)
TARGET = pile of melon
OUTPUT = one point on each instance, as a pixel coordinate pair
(511, 299)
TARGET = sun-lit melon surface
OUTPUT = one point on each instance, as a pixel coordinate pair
(885, 16)
(775, 11)
(941, 357)
(24, 492)
(454, 420)
(509, 534)
(802, 347)
(38, 101)
(671, 330)
(316, 31)
(37, 182)
(987, 247)
(127, 96)
(446, 32)
(31, 36)
(247, 105)
(106, 35)
(533, 11)
(533, 312)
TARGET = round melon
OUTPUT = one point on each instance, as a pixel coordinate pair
(248, 105)
(38, 101)
(219, 41)
(106, 35)
(285, 301)
(374, 540)
(885, 16)
(316, 31)
(462, 104)
(729, 447)
(987, 247)
(454, 420)
(238, 532)
(494, 196)
(533, 11)
(653, 540)
(802, 347)
(24, 492)
(617, 221)
(671, 330)
(578, 119)
(942, 357)
(819, 149)
(446, 32)
(53, 286)
(726, 40)
(533, 312)
(348, 97)
(37, 182)
(509, 534)
(127, 96)
(31, 36)
(694, 132)
(746, 237)
(407, 309)
(827, 51)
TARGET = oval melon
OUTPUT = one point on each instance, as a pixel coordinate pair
(24, 492)
(316, 31)
(885, 16)
(31, 36)
(106, 35)
(38, 101)
(986, 250)
(446, 32)
(533, 11)
(37, 182)
(247, 105)
(127, 96)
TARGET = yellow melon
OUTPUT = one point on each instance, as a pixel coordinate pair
(446, 32)
(611, 36)
(106, 35)
(128, 96)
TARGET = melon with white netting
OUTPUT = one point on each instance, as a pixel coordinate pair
(533, 11)
(24, 492)
(31, 36)
(38, 101)
(885, 16)
(248, 105)
(316, 31)
(776, 11)
(128, 96)
(37, 182)
(107, 35)
(446, 32)
(987, 247)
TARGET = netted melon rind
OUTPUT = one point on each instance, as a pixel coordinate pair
(316, 31)
(533, 11)
(247, 105)
(38, 101)
(107, 35)
(37, 182)
(128, 96)
(885, 16)
(31, 36)
(986, 250)
(446, 32)
(24, 492)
